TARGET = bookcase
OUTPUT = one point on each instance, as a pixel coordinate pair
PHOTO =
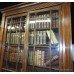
(14, 44)
(43, 45)
(34, 38)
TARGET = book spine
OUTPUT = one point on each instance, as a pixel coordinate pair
(42, 59)
(12, 38)
(31, 57)
(32, 37)
(44, 37)
(39, 59)
(37, 37)
(40, 37)
(57, 23)
(35, 58)
(16, 38)
(54, 37)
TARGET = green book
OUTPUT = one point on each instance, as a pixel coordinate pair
(48, 33)
(40, 37)
(35, 59)
(53, 37)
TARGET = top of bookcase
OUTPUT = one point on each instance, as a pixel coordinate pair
(27, 6)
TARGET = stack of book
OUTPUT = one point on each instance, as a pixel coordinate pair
(13, 57)
(36, 58)
(55, 19)
(41, 37)
(40, 21)
(15, 38)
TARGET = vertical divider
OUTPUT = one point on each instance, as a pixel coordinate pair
(50, 37)
(26, 43)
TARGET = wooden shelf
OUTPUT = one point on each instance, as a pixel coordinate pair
(16, 22)
(39, 66)
(14, 45)
(39, 45)
(15, 31)
(44, 45)
(39, 29)
(10, 70)
(55, 69)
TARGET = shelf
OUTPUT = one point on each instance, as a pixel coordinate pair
(15, 45)
(14, 31)
(42, 29)
(39, 29)
(39, 45)
(16, 22)
(45, 67)
(55, 69)
(45, 45)
(55, 27)
(39, 66)
(8, 70)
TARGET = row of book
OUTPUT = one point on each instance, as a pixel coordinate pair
(16, 20)
(16, 27)
(36, 58)
(15, 38)
(55, 19)
(43, 37)
(43, 21)
(55, 14)
(13, 57)
(55, 23)
(37, 25)
(40, 16)
(44, 25)
(40, 21)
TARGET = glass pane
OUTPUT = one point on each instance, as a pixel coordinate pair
(14, 44)
(55, 41)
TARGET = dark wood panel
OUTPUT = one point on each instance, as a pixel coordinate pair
(66, 37)
(32, 7)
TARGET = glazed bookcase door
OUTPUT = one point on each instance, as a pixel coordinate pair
(43, 48)
(14, 44)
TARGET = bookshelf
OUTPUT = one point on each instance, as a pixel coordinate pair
(14, 44)
(36, 38)
(43, 46)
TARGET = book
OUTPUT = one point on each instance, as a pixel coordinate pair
(38, 35)
(13, 38)
(39, 58)
(36, 58)
(32, 38)
(41, 37)
(42, 58)
(48, 33)
(57, 22)
(31, 57)
(23, 37)
(44, 37)
(52, 36)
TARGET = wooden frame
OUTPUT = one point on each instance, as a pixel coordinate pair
(65, 29)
